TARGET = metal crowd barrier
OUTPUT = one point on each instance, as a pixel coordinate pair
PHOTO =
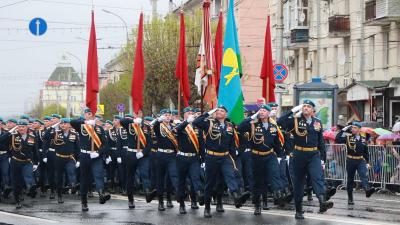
(384, 173)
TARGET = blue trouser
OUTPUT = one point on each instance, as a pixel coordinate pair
(265, 171)
(22, 173)
(5, 173)
(131, 164)
(51, 169)
(187, 166)
(117, 170)
(307, 163)
(153, 169)
(247, 170)
(239, 173)
(90, 169)
(144, 172)
(166, 166)
(359, 165)
(282, 174)
(65, 166)
(222, 165)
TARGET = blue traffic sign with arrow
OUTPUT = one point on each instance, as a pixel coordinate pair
(37, 26)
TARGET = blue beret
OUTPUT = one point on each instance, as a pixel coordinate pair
(2, 122)
(22, 122)
(87, 110)
(196, 110)
(39, 121)
(308, 102)
(356, 123)
(148, 118)
(109, 122)
(128, 115)
(174, 112)
(164, 111)
(65, 120)
(56, 116)
(117, 117)
(265, 106)
(1, 118)
(25, 117)
(273, 104)
(31, 120)
(99, 117)
(187, 109)
(12, 120)
(46, 118)
(223, 107)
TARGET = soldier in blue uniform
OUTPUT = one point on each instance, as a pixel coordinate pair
(357, 158)
(187, 160)
(92, 146)
(219, 156)
(66, 145)
(308, 154)
(265, 148)
(152, 161)
(24, 160)
(139, 144)
(166, 154)
(5, 179)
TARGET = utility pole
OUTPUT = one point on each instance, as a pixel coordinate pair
(318, 36)
(154, 8)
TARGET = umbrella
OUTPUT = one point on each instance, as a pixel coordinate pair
(381, 131)
(329, 134)
(396, 127)
(388, 137)
(367, 130)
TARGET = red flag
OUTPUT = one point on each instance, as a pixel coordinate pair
(182, 65)
(267, 70)
(92, 78)
(218, 48)
(138, 71)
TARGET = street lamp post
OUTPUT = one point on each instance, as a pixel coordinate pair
(123, 21)
(83, 82)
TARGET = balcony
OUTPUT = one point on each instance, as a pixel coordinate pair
(382, 12)
(339, 26)
(298, 38)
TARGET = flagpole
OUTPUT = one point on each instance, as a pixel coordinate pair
(267, 94)
(179, 98)
(202, 98)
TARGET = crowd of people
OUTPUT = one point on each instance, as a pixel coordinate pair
(198, 157)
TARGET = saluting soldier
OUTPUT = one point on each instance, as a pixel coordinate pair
(266, 148)
(308, 154)
(42, 169)
(187, 160)
(220, 150)
(92, 146)
(139, 144)
(24, 160)
(357, 158)
(5, 179)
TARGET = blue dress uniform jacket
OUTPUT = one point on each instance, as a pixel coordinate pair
(84, 138)
(356, 146)
(132, 141)
(162, 140)
(65, 145)
(185, 143)
(20, 149)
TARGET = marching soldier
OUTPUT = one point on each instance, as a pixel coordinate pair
(166, 154)
(5, 178)
(23, 150)
(187, 160)
(357, 158)
(92, 146)
(42, 169)
(139, 144)
(266, 146)
(220, 150)
(308, 154)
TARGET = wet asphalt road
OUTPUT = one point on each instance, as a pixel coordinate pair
(379, 209)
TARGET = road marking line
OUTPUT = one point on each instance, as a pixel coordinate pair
(384, 200)
(28, 217)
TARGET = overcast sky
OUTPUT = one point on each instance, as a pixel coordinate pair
(27, 61)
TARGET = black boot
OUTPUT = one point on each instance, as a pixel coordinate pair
(32, 191)
(200, 197)
(237, 200)
(244, 196)
(74, 189)
(299, 211)
(169, 201)
(331, 191)
(103, 197)
(150, 195)
(350, 198)
(18, 204)
(309, 194)
(6, 192)
(131, 201)
(60, 198)
(265, 202)
(323, 204)
(193, 204)
(369, 192)
(182, 208)
(161, 203)
(207, 211)
(288, 195)
(52, 194)
(279, 199)
(85, 207)
(257, 207)
(220, 206)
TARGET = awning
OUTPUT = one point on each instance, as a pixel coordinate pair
(357, 93)
(360, 90)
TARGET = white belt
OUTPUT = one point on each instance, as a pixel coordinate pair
(166, 150)
(132, 150)
(3, 152)
(84, 151)
(247, 150)
(113, 148)
(52, 150)
(187, 154)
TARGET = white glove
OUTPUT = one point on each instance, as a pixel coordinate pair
(161, 118)
(297, 108)
(137, 120)
(323, 164)
(139, 155)
(272, 113)
(253, 117)
(90, 122)
(55, 125)
(77, 164)
(34, 167)
(153, 122)
(279, 160)
(9, 160)
(190, 119)
(45, 160)
(94, 155)
(119, 160)
(346, 128)
(203, 165)
(13, 129)
(108, 160)
(298, 114)
(368, 166)
(212, 111)
(177, 121)
(237, 153)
